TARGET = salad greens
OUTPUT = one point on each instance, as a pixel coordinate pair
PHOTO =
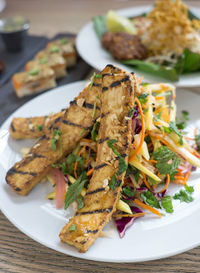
(187, 62)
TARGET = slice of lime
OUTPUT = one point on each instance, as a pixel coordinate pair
(115, 23)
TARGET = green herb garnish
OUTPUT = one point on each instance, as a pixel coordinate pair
(122, 164)
(39, 127)
(197, 139)
(94, 110)
(113, 182)
(150, 199)
(143, 98)
(80, 202)
(43, 60)
(189, 189)
(82, 131)
(183, 123)
(184, 196)
(166, 203)
(167, 161)
(34, 72)
(97, 76)
(95, 130)
(131, 111)
(128, 191)
(64, 41)
(173, 128)
(72, 228)
(75, 189)
(54, 49)
(53, 144)
(57, 137)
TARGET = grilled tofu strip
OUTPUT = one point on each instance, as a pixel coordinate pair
(75, 124)
(33, 127)
(100, 201)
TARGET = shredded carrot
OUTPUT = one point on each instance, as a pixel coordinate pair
(144, 206)
(179, 177)
(167, 184)
(131, 215)
(145, 181)
(157, 123)
(188, 138)
(90, 172)
(152, 161)
(142, 132)
(86, 140)
(141, 79)
(192, 151)
(76, 163)
(195, 132)
(159, 98)
(158, 174)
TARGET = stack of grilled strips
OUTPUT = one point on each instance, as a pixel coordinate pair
(113, 93)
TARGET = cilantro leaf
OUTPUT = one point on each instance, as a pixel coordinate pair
(197, 139)
(183, 196)
(189, 189)
(134, 171)
(53, 144)
(150, 199)
(75, 189)
(167, 161)
(128, 191)
(113, 182)
(166, 203)
(173, 128)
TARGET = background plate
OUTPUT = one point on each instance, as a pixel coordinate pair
(90, 49)
(150, 238)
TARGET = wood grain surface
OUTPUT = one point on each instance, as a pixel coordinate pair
(19, 253)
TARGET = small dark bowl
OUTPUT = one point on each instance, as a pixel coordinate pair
(13, 32)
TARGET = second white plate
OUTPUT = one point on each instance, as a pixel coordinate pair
(91, 50)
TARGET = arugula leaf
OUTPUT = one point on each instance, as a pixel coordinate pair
(80, 202)
(172, 128)
(72, 228)
(122, 167)
(167, 161)
(100, 25)
(95, 130)
(166, 203)
(150, 199)
(113, 182)
(189, 189)
(191, 61)
(128, 191)
(183, 196)
(197, 139)
(75, 189)
(167, 72)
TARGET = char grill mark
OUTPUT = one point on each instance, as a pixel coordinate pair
(100, 166)
(103, 140)
(104, 89)
(67, 122)
(114, 84)
(12, 127)
(14, 171)
(96, 84)
(92, 231)
(85, 104)
(95, 191)
(95, 211)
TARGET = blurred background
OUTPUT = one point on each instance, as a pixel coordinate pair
(49, 16)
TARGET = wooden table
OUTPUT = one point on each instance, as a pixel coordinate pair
(18, 253)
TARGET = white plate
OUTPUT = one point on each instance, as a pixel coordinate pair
(91, 50)
(148, 239)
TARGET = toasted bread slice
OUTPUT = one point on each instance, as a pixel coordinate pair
(100, 201)
(33, 81)
(75, 124)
